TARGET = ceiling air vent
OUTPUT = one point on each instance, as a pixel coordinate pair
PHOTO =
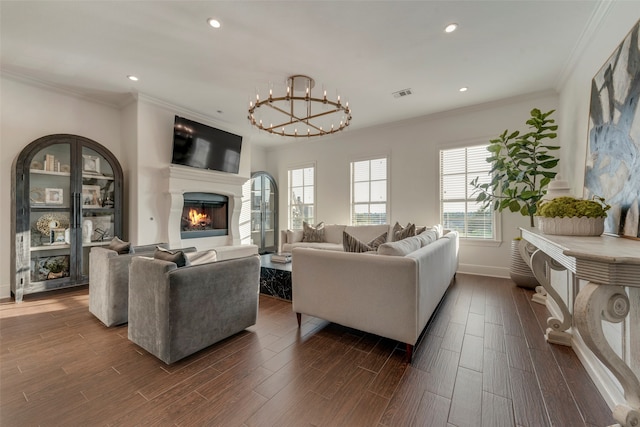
(401, 93)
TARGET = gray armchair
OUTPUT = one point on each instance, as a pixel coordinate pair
(175, 312)
(109, 282)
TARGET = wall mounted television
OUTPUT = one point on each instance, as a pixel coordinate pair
(204, 147)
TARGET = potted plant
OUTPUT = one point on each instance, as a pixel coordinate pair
(569, 216)
(521, 167)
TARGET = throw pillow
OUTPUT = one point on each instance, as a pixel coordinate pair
(120, 246)
(351, 244)
(439, 230)
(177, 257)
(400, 232)
(311, 233)
(204, 257)
(401, 247)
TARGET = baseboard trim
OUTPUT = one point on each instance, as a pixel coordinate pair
(483, 270)
(5, 291)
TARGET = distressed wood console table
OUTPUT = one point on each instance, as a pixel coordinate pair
(609, 264)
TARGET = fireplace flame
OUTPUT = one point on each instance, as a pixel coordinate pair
(197, 218)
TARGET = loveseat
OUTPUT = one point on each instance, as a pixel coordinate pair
(177, 311)
(392, 292)
(109, 280)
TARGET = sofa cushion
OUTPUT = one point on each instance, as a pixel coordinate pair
(289, 247)
(333, 233)
(177, 257)
(311, 233)
(400, 232)
(120, 246)
(294, 236)
(401, 247)
(202, 257)
(351, 244)
(427, 236)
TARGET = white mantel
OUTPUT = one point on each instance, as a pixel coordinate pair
(183, 179)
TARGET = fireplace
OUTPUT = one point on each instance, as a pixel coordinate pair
(204, 215)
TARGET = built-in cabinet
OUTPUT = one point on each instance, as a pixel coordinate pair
(264, 203)
(67, 197)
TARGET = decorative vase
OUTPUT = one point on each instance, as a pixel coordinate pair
(519, 270)
(87, 230)
(574, 226)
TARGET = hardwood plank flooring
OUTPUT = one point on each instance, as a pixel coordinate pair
(482, 361)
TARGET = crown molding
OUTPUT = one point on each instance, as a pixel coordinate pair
(590, 30)
(60, 89)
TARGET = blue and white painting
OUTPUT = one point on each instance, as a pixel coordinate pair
(613, 154)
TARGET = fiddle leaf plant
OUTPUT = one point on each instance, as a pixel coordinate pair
(521, 167)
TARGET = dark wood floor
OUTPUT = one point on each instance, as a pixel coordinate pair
(483, 361)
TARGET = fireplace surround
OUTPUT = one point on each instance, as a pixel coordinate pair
(183, 182)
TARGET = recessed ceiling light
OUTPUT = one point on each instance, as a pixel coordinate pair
(213, 22)
(450, 28)
(464, 89)
(132, 78)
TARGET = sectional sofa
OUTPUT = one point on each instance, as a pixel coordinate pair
(392, 292)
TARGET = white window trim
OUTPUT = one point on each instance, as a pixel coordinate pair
(364, 158)
(315, 188)
(468, 241)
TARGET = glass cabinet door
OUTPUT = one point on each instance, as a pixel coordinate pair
(263, 212)
(96, 203)
(50, 214)
(68, 197)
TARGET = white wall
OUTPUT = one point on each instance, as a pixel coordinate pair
(413, 147)
(27, 113)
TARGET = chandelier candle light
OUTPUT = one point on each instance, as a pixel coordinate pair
(288, 114)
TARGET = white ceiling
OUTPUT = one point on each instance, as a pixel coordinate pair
(366, 50)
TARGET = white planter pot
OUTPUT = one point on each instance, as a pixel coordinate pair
(519, 270)
(575, 226)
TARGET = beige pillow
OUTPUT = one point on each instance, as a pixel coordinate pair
(203, 257)
(351, 244)
(311, 233)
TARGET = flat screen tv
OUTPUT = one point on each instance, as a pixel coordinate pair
(204, 147)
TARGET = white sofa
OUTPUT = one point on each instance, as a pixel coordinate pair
(387, 295)
(291, 239)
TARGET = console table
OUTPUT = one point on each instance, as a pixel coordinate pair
(611, 266)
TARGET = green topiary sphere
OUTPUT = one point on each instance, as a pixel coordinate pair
(567, 207)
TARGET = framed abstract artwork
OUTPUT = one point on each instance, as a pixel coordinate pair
(612, 167)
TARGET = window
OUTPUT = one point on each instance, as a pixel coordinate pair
(458, 208)
(369, 192)
(301, 196)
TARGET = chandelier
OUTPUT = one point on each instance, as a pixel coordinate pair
(298, 113)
